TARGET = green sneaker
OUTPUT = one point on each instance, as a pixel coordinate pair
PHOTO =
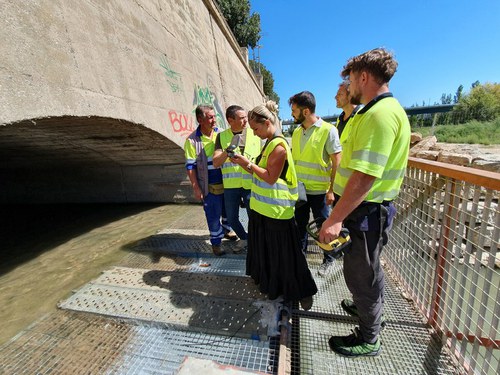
(349, 307)
(354, 345)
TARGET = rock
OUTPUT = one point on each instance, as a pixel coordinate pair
(415, 138)
(456, 159)
(428, 155)
(424, 144)
(486, 165)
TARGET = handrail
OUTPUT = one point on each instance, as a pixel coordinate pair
(444, 251)
(487, 179)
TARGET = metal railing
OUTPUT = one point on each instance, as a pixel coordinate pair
(444, 251)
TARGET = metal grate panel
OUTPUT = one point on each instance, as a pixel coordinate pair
(408, 347)
(207, 303)
(188, 243)
(234, 266)
(241, 288)
(73, 343)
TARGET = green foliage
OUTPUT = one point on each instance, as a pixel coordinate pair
(486, 133)
(482, 103)
(268, 80)
(458, 94)
(245, 27)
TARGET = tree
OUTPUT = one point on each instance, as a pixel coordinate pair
(446, 99)
(268, 80)
(458, 94)
(245, 27)
(482, 103)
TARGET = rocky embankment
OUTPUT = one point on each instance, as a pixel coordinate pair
(475, 156)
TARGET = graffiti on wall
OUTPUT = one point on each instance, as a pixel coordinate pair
(203, 96)
(181, 123)
(173, 78)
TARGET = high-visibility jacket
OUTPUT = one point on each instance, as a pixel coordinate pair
(234, 176)
(310, 165)
(278, 200)
(199, 150)
(378, 145)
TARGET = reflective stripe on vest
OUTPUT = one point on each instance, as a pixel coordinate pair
(233, 175)
(311, 168)
(379, 158)
(278, 200)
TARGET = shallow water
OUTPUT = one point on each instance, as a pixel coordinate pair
(47, 251)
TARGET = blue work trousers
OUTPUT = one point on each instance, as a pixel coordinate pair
(213, 205)
(232, 200)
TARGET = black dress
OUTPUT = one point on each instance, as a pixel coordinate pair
(275, 260)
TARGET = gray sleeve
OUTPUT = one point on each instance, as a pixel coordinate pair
(333, 145)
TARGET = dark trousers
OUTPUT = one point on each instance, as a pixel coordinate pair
(363, 273)
(232, 199)
(320, 210)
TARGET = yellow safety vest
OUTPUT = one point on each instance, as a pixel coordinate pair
(234, 176)
(276, 201)
(311, 168)
(378, 145)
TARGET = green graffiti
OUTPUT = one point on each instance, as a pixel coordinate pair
(174, 79)
(203, 96)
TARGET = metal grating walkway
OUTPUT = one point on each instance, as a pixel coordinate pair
(160, 305)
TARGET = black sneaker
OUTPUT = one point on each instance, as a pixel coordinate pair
(349, 307)
(353, 345)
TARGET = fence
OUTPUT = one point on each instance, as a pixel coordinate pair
(444, 251)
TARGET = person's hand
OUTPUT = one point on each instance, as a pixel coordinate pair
(197, 194)
(330, 198)
(240, 160)
(330, 230)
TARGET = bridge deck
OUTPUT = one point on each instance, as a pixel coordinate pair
(162, 304)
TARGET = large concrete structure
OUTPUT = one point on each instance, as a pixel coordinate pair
(97, 98)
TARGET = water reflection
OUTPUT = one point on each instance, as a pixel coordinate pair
(46, 251)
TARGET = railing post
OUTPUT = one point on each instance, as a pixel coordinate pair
(441, 260)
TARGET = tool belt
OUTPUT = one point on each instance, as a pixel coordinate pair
(216, 189)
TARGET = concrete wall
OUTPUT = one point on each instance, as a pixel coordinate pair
(126, 73)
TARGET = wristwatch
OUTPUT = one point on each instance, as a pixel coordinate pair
(249, 166)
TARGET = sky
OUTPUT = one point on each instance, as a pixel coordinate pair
(439, 45)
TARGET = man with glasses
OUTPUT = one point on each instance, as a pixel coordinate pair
(316, 152)
(237, 181)
(369, 177)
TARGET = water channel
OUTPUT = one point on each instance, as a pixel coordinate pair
(47, 251)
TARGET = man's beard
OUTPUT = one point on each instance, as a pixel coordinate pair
(300, 119)
(355, 99)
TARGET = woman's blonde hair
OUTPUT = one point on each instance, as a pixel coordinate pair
(263, 112)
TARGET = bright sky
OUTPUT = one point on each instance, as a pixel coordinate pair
(439, 45)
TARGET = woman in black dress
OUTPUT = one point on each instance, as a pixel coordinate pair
(275, 260)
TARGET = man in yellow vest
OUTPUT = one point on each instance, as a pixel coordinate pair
(316, 153)
(369, 177)
(349, 109)
(237, 181)
(206, 180)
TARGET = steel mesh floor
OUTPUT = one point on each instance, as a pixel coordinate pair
(73, 343)
(195, 301)
(407, 345)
